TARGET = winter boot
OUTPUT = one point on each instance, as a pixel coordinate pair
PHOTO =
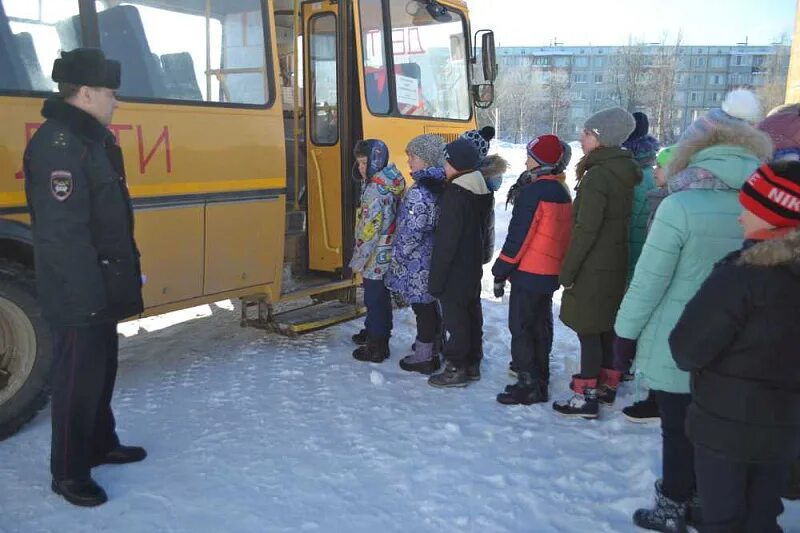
(668, 516)
(422, 360)
(375, 351)
(583, 403)
(527, 391)
(474, 372)
(644, 411)
(452, 376)
(360, 338)
(608, 383)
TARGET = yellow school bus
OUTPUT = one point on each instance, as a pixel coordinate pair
(237, 122)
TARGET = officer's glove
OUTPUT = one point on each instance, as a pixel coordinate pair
(499, 287)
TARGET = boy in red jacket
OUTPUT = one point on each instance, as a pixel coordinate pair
(537, 241)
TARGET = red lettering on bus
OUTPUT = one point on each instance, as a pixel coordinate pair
(117, 128)
(162, 139)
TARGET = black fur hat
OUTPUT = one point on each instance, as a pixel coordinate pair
(87, 66)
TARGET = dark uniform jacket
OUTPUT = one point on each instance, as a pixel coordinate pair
(538, 236)
(87, 263)
(460, 239)
(740, 337)
(595, 270)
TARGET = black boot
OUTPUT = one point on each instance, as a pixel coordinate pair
(452, 376)
(643, 411)
(360, 338)
(375, 351)
(668, 515)
(474, 372)
(527, 391)
(583, 403)
(82, 492)
(121, 455)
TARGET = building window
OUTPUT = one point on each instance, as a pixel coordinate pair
(738, 61)
(718, 62)
(581, 61)
(598, 78)
(541, 61)
(579, 78)
(698, 80)
(699, 61)
(598, 62)
(561, 61)
(694, 97)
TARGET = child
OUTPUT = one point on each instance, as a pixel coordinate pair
(738, 336)
(457, 263)
(382, 187)
(538, 236)
(413, 246)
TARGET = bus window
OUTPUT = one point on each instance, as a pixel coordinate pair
(31, 37)
(430, 62)
(322, 48)
(372, 39)
(214, 53)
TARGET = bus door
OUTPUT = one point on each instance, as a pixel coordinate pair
(323, 163)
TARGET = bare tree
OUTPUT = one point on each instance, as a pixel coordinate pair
(557, 92)
(631, 74)
(773, 73)
(664, 74)
(516, 97)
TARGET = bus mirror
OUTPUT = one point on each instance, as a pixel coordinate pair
(483, 95)
(489, 56)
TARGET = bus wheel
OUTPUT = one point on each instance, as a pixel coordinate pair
(26, 356)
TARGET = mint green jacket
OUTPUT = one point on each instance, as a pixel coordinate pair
(692, 230)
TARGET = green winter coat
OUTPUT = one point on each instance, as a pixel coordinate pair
(639, 217)
(595, 270)
(692, 230)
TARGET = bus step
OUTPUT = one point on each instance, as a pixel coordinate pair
(314, 317)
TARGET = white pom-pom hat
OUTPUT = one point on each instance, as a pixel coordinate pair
(743, 104)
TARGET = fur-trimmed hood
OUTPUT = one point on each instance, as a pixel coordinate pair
(784, 250)
(688, 151)
(493, 166)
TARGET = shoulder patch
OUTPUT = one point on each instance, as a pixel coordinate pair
(61, 185)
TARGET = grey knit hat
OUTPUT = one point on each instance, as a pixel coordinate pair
(611, 126)
(429, 148)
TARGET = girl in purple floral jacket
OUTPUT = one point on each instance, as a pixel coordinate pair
(413, 246)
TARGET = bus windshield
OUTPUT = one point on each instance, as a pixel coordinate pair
(430, 60)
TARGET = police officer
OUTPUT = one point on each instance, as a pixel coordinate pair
(87, 265)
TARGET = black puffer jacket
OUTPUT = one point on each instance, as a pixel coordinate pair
(87, 263)
(739, 336)
(459, 242)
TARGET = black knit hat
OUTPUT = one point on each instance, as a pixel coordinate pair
(462, 155)
(87, 66)
(642, 126)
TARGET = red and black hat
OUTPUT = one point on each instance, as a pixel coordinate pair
(546, 149)
(772, 193)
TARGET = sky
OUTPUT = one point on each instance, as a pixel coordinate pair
(612, 22)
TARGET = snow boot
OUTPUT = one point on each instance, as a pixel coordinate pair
(668, 515)
(451, 376)
(583, 403)
(474, 372)
(608, 383)
(422, 360)
(527, 391)
(121, 455)
(644, 411)
(360, 338)
(375, 351)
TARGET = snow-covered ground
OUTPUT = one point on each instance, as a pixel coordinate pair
(252, 432)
